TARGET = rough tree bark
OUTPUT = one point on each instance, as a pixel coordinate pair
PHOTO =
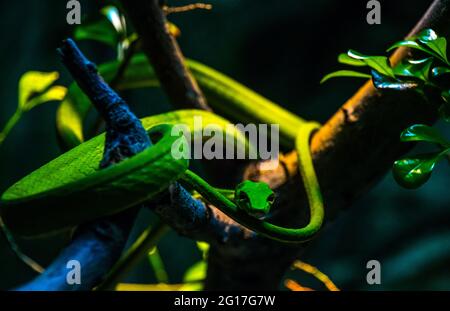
(159, 45)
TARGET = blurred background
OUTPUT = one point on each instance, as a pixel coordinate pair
(281, 49)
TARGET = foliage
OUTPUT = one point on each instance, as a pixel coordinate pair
(111, 30)
(196, 274)
(412, 74)
(425, 74)
(35, 88)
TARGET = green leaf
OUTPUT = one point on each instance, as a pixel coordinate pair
(383, 82)
(345, 73)
(414, 68)
(426, 41)
(422, 132)
(55, 93)
(102, 31)
(119, 23)
(412, 172)
(34, 89)
(204, 248)
(345, 59)
(425, 35)
(439, 46)
(410, 44)
(378, 63)
(116, 19)
(196, 272)
(110, 30)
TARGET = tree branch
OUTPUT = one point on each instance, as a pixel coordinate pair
(357, 121)
(197, 220)
(97, 245)
(351, 152)
(161, 48)
(344, 139)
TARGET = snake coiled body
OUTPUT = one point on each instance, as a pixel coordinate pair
(73, 190)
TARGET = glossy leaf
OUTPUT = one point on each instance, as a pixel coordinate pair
(414, 68)
(426, 35)
(34, 89)
(430, 39)
(345, 59)
(378, 63)
(387, 83)
(410, 44)
(428, 42)
(345, 73)
(439, 46)
(116, 19)
(422, 132)
(412, 172)
(111, 30)
(102, 31)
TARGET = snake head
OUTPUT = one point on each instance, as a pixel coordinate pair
(255, 198)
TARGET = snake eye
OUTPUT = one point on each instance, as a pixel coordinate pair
(271, 198)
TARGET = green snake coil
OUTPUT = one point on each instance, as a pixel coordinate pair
(72, 189)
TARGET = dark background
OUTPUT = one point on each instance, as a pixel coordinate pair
(280, 49)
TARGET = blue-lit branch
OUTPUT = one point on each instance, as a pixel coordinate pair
(99, 244)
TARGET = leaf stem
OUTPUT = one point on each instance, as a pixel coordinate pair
(10, 125)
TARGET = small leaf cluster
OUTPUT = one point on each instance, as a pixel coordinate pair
(111, 29)
(428, 73)
(413, 171)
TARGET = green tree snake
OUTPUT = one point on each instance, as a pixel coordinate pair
(72, 189)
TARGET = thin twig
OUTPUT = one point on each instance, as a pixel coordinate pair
(296, 287)
(322, 277)
(186, 8)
